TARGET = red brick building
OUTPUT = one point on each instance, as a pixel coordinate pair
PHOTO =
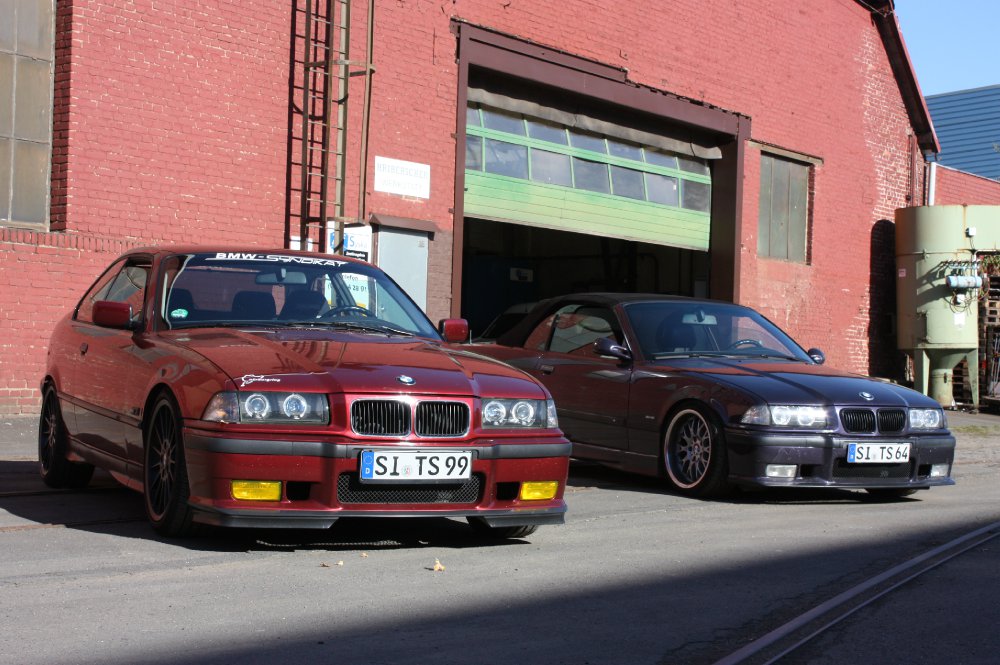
(750, 151)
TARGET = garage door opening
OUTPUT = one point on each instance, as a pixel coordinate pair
(506, 267)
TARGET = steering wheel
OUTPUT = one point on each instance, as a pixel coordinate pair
(348, 309)
(745, 342)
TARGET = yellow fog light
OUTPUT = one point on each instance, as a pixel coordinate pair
(257, 490)
(539, 491)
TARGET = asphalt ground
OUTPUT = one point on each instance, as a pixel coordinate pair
(947, 614)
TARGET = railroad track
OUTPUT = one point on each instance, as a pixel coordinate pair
(791, 636)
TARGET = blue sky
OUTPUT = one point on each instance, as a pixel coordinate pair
(953, 43)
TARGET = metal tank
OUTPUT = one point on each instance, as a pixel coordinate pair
(937, 280)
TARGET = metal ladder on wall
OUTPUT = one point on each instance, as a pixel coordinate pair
(323, 44)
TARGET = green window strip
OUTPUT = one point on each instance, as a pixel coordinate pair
(612, 201)
(611, 196)
(590, 155)
(577, 211)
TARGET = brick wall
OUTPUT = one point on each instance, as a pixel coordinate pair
(959, 188)
(169, 126)
(42, 275)
(813, 77)
(172, 125)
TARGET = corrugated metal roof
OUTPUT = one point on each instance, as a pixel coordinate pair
(968, 128)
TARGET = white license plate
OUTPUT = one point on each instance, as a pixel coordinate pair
(878, 453)
(389, 466)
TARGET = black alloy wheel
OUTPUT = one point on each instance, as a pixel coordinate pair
(165, 481)
(53, 445)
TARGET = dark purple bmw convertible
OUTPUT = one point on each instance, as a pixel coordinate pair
(711, 394)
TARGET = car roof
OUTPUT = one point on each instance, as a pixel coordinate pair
(515, 335)
(611, 298)
(163, 250)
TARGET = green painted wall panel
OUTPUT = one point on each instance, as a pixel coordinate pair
(520, 201)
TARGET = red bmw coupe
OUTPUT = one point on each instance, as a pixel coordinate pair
(290, 389)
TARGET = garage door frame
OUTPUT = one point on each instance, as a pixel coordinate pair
(494, 51)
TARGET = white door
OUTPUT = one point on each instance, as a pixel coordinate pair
(403, 254)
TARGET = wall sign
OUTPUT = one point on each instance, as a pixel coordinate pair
(394, 176)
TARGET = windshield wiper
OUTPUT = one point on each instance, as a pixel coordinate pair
(689, 354)
(780, 356)
(379, 328)
(370, 327)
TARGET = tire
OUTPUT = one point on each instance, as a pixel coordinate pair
(694, 453)
(890, 493)
(501, 532)
(53, 445)
(165, 481)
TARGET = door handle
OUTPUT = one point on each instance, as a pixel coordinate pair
(547, 369)
(83, 349)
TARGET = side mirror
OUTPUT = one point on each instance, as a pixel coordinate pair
(454, 331)
(607, 347)
(109, 314)
(818, 356)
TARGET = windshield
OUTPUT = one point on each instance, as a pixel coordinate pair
(282, 290)
(666, 329)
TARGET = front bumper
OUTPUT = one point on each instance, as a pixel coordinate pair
(821, 460)
(320, 482)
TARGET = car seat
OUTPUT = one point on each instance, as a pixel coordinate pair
(303, 304)
(672, 336)
(253, 306)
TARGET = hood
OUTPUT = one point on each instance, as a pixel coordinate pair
(793, 382)
(347, 362)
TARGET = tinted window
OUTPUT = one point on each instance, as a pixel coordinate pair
(126, 285)
(578, 327)
(275, 289)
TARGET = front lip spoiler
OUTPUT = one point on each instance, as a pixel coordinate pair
(763, 481)
(321, 519)
(238, 446)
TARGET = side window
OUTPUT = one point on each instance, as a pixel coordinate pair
(127, 285)
(538, 340)
(97, 292)
(576, 331)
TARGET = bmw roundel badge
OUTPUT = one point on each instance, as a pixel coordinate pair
(866, 396)
(406, 380)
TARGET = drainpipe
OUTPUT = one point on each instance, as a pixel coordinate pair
(932, 183)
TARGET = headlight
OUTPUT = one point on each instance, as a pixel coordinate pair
(268, 407)
(518, 413)
(792, 416)
(926, 419)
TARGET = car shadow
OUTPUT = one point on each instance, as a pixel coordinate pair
(106, 507)
(586, 474)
